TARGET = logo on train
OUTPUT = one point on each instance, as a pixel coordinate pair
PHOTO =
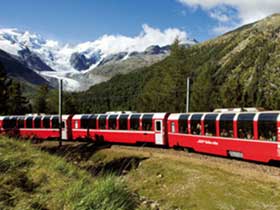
(201, 141)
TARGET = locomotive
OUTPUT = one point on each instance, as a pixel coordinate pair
(250, 135)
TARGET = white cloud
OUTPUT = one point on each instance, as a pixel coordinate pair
(247, 11)
(109, 44)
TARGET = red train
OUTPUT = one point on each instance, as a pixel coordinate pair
(246, 135)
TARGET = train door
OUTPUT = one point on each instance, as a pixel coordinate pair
(159, 133)
(66, 128)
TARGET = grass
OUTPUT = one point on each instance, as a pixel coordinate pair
(188, 184)
(84, 177)
(32, 179)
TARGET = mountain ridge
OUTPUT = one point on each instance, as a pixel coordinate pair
(240, 68)
(77, 65)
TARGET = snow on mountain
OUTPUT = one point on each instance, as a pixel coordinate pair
(47, 55)
(58, 55)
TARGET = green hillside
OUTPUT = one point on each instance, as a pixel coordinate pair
(240, 68)
(32, 179)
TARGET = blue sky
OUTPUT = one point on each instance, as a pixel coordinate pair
(83, 20)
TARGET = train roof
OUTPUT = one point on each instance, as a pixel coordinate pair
(176, 116)
(156, 115)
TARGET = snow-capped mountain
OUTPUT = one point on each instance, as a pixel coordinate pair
(56, 60)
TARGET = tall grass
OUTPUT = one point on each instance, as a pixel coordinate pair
(108, 193)
(32, 179)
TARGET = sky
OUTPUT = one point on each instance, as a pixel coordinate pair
(76, 21)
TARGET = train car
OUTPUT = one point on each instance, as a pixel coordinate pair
(37, 126)
(247, 135)
(130, 128)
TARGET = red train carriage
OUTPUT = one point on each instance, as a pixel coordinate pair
(122, 127)
(251, 136)
(36, 126)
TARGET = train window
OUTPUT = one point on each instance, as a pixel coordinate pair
(20, 122)
(158, 125)
(9, 122)
(267, 126)
(13, 122)
(6, 122)
(183, 123)
(172, 127)
(92, 122)
(113, 122)
(37, 122)
(210, 124)
(147, 122)
(102, 121)
(55, 122)
(62, 124)
(245, 126)
(29, 122)
(46, 122)
(76, 124)
(226, 125)
(84, 121)
(196, 124)
(123, 122)
(134, 122)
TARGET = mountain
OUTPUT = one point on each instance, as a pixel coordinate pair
(238, 69)
(15, 69)
(85, 64)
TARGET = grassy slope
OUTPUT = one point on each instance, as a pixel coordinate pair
(31, 179)
(185, 183)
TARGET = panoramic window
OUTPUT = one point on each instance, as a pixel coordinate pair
(147, 122)
(245, 126)
(183, 123)
(134, 122)
(20, 122)
(37, 122)
(123, 122)
(46, 122)
(6, 122)
(102, 121)
(113, 122)
(267, 126)
(55, 122)
(92, 122)
(226, 125)
(210, 124)
(84, 121)
(29, 122)
(9, 122)
(196, 124)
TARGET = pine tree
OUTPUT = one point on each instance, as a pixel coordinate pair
(4, 85)
(40, 102)
(17, 103)
(179, 75)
